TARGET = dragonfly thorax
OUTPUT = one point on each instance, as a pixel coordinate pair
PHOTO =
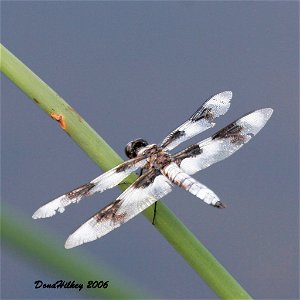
(157, 157)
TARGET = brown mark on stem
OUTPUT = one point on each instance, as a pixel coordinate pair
(60, 119)
(36, 101)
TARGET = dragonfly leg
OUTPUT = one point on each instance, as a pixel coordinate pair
(154, 213)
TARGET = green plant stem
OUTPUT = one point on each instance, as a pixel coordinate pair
(185, 243)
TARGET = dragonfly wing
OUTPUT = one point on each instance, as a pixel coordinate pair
(201, 120)
(146, 190)
(105, 181)
(223, 143)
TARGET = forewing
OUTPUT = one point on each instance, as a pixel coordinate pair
(201, 120)
(105, 181)
(223, 143)
(141, 194)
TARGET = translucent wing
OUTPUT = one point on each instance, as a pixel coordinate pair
(147, 189)
(106, 181)
(201, 120)
(223, 143)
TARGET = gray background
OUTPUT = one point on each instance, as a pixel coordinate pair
(138, 69)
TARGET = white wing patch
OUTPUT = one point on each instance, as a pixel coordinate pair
(130, 203)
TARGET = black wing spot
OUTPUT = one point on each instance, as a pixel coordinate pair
(145, 180)
(80, 191)
(191, 151)
(109, 212)
(123, 166)
(205, 113)
(172, 137)
(233, 132)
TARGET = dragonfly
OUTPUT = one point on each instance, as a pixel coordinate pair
(160, 170)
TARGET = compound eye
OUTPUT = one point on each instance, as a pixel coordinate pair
(133, 147)
(128, 150)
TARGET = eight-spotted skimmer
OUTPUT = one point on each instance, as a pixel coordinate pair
(161, 170)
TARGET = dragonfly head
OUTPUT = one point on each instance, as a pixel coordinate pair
(133, 147)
